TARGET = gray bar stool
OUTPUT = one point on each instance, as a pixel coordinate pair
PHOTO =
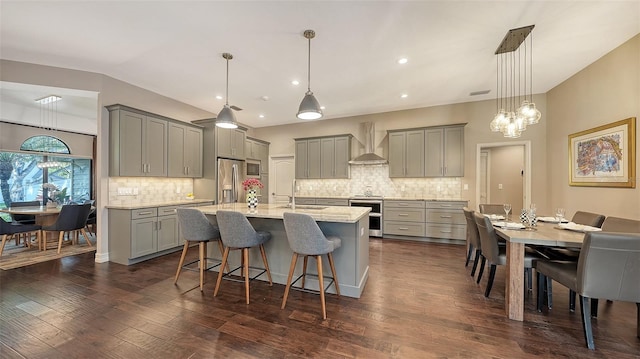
(238, 233)
(196, 228)
(306, 239)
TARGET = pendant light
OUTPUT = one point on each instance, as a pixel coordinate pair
(49, 122)
(309, 107)
(226, 118)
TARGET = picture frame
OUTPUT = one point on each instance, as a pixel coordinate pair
(604, 156)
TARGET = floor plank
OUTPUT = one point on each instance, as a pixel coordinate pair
(419, 302)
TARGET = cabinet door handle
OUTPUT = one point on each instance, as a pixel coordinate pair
(143, 213)
(403, 228)
(445, 231)
(445, 216)
(159, 225)
(403, 214)
(148, 167)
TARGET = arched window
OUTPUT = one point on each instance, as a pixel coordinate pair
(46, 144)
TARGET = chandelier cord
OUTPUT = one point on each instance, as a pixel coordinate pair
(309, 67)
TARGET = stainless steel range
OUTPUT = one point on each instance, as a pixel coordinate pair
(375, 216)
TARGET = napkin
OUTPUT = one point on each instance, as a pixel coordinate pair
(551, 219)
(509, 225)
(494, 217)
(578, 227)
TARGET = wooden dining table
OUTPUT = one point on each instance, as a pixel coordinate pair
(44, 215)
(543, 234)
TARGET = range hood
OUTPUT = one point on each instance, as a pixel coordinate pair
(369, 157)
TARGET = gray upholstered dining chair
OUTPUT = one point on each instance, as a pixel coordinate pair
(196, 228)
(7, 230)
(607, 268)
(306, 239)
(237, 233)
(588, 219)
(473, 239)
(496, 255)
(72, 218)
(617, 224)
(491, 208)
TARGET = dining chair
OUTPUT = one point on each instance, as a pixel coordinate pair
(497, 255)
(473, 239)
(491, 208)
(237, 233)
(7, 230)
(607, 268)
(91, 224)
(24, 219)
(72, 218)
(306, 239)
(588, 219)
(617, 224)
(196, 228)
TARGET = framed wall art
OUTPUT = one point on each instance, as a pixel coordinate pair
(604, 156)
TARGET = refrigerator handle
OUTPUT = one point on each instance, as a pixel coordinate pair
(234, 181)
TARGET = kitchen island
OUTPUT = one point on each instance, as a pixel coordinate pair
(351, 224)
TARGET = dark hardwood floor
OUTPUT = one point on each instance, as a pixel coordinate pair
(419, 302)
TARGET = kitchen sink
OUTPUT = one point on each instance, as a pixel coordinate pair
(304, 206)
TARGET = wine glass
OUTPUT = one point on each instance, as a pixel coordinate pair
(507, 209)
(560, 214)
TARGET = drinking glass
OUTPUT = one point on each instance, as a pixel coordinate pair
(560, 214)
(507, 209)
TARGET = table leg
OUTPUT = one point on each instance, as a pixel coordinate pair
(514, 286)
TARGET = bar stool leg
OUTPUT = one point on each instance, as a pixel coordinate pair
(333, 272)
(266, 264)
(245, 256)
(184, 254)
(304, 270)
(292, 268)
(202, 263)
(224, 263)
(321, 284)
(221, 253)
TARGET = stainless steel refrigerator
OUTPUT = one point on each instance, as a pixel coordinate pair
(231, 173)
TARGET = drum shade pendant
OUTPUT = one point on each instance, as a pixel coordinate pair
(309, 107)
(226, 118)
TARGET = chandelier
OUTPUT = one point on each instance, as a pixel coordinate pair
(49, 121)
(515, 109)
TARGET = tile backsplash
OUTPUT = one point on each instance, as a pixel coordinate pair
(377, 177)
(135, 190)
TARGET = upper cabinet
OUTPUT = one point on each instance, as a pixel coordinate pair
(258, 150)
(138, 143)
(230, 143)
(185, 151)
(445, 152)
(406, 153)
(427, 152)
(323, 157)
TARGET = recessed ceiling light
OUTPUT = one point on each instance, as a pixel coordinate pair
(322, 107)
(261, 116)
(264, 98)
(295, 82)
(218, 97)
(403, 60)
(404, 95)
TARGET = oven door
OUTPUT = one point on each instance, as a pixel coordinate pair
(375, 216)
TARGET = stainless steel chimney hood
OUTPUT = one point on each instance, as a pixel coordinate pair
(369, 157)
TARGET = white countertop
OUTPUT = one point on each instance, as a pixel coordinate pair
(340, 214)
(407, 198)
(138, 205)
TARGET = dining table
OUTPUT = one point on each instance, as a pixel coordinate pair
(543, 234)
(45, 215)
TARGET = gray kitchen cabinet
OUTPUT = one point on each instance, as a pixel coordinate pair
(138, 143)
(445, 152)
(184, 151)
(445, 219)
(258, 150)
(404, 218)
(341, 202)
(264, 192)
(230, 143)
(406, 153)
(141, 234)
(323, 157)
(308, 158)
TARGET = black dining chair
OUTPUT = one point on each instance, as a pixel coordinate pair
(7, 230)
(24, 219)
(72, 218)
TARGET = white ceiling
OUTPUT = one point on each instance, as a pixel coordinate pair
(174, 48)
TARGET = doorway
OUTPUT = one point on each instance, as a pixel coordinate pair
(280, 182)
(503, 173)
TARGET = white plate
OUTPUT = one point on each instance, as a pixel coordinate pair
(578, 227)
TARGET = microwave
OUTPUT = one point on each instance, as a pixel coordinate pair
(252, 169)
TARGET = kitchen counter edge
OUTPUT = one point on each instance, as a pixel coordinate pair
(181, 202)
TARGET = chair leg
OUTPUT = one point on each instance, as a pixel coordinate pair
(221, 247)
(482, 265)
(572, 301)
(4, 240)
(475, 262)
(594, 307)
(586, 322)
(304, 269)
(333, 273)
(466, 263)
(638, 321)
(292, 268)
(540, 291)
(202, 263)
(60, 238)
(529, 273)
(266, 264)
(220, 274)
(548, 285)
(86, 236)
(321, 284)
(184, 254)
(245, 255)
(492, 275)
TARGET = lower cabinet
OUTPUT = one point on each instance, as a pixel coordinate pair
(139, 234)
(430, 219)
(404, 218)
(445, 219)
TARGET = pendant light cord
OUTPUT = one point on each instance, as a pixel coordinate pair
(309, 68)
(227, 86)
